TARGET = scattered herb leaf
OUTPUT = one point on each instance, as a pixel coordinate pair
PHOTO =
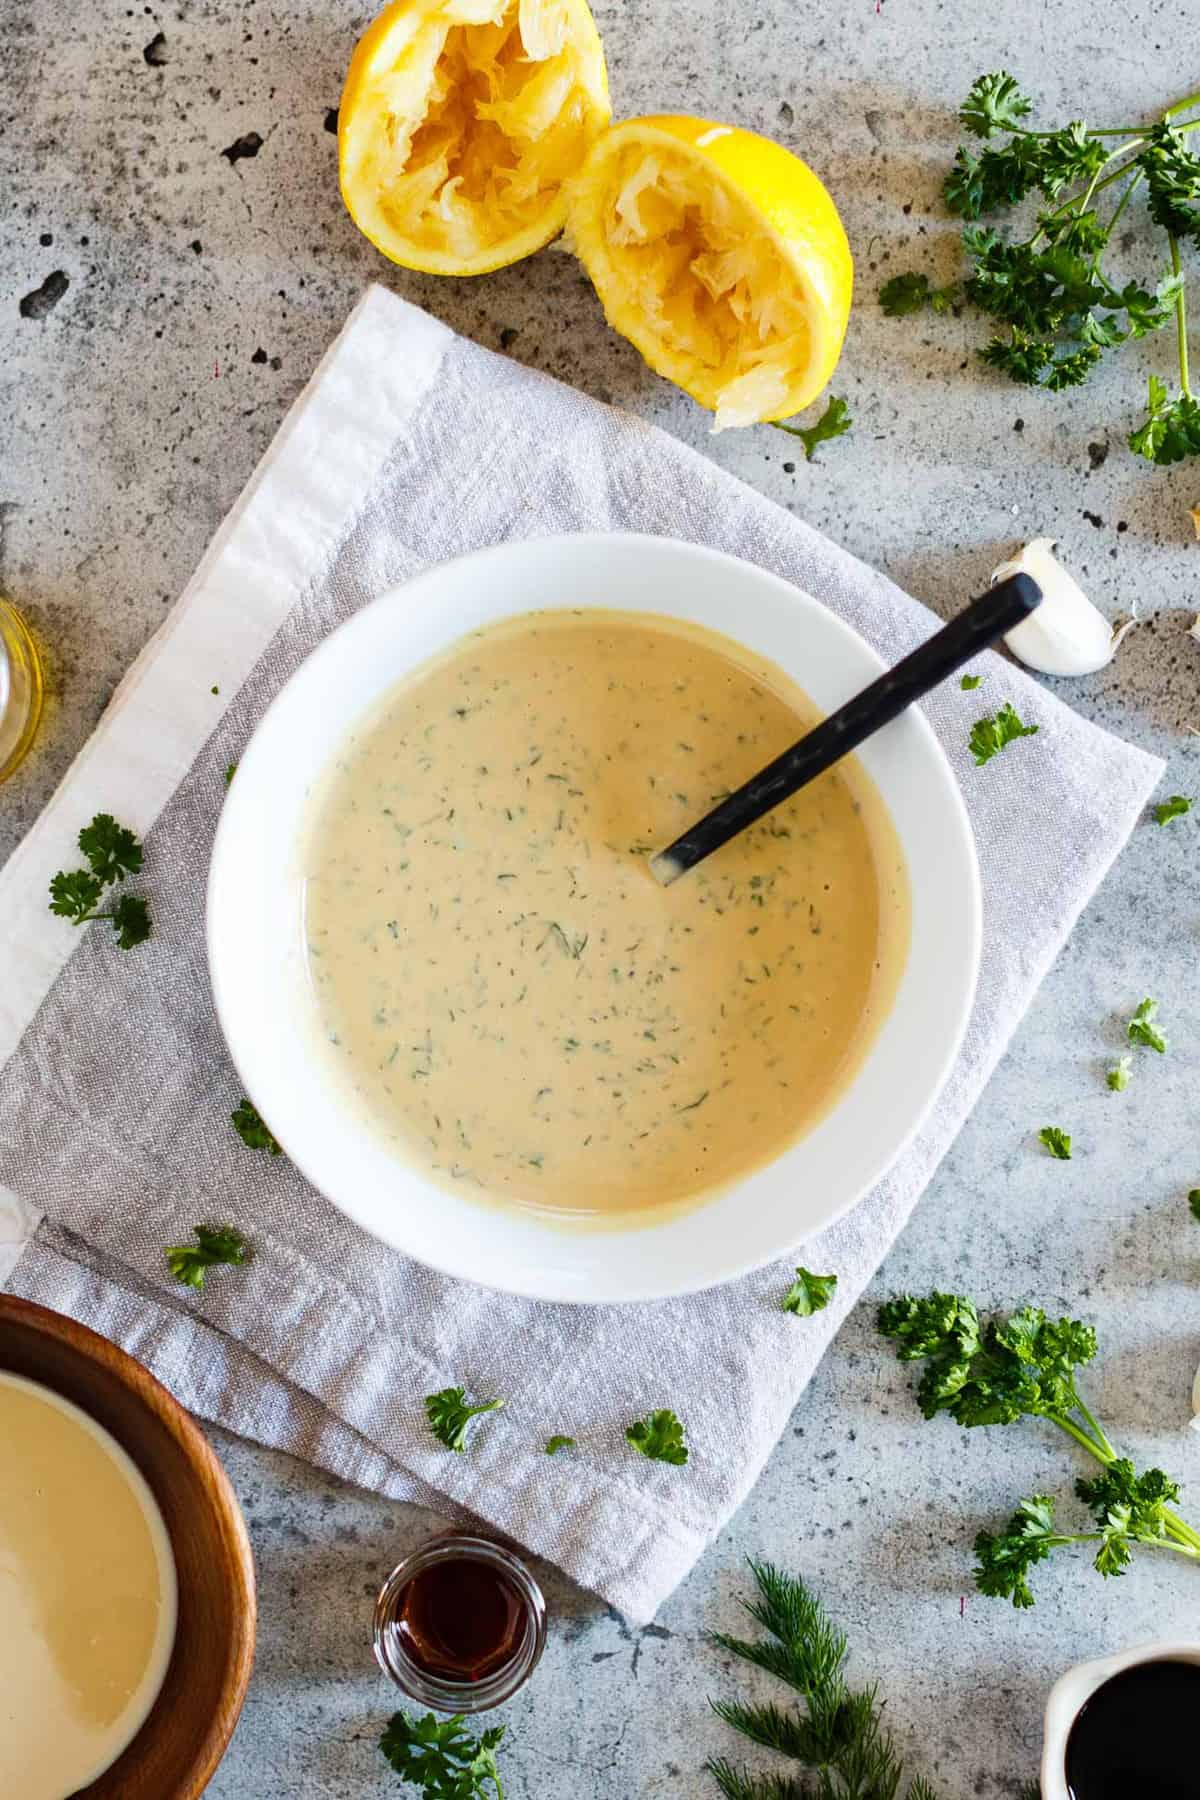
(660, 1437)
(449, 1415)
(1194, 1202)
(1141, 1029)
(230, 772)
(555, 1444)
(970, 681)
(1057, 1142)
(1118, 1077)
(833, 422)
(1174, 808)
(250, 1126)
(1022, 1367)
(442, 1757)
(809, 1293)
(214, 1244)
(990, 736)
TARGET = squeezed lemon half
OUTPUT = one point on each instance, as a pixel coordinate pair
(460, 122)
(721, 256)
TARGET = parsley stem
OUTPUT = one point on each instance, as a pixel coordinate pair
(1099, 1446)
(1101, 1438)
(1180, 316)
(1184, 105)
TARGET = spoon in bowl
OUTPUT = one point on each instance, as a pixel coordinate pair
(969, 632)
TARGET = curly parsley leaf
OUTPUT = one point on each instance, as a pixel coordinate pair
(904, 295)
(1174, 808)
(214, 1244)
(112, 851)
(1172, 175)
(1006, 1557)
(995, 103)
(131, 921)
(1118, 1076)
(660, 1437)
(442, 1758)
(75, 894)
(1171, 429)
(1128, 1509)
(809, 1293)
(253, 1130)
(555, 1444)
(1057, 1142)
(1141, 1029)
(449, 1416)
(833, 422)
(969, 682)
(990, 736)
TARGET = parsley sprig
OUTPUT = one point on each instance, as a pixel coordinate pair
(834, 422)
(1026, 1367)
(809, 1293)
(112, 852)
(1142, 1029)
(660, 1437)
(840, 1733)
(442, 1757)
(449, 1415)
(990, 736)
(1058, 307)
(215, 1244)
(253, 1129)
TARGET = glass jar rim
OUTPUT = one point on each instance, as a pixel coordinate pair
(438, 1691)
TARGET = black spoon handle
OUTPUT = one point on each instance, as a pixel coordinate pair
(977, 626)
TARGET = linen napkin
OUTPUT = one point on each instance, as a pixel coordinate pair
(411, 445)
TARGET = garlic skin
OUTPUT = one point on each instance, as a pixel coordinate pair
(1067, 635)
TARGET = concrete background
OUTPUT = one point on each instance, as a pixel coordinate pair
(201, 292)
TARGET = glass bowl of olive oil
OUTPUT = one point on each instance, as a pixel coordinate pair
(22, 685)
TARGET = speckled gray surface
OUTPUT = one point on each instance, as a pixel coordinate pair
(201, 289)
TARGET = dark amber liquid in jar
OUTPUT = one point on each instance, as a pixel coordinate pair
(460, 1620)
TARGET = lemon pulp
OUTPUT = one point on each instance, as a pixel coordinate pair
(459, 123)
(721, 257)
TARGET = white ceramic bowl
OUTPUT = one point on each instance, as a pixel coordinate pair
(256, 952)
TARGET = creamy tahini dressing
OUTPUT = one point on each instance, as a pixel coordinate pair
(87, 1596)
(517, 1003)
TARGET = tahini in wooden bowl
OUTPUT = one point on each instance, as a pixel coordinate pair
(191, 1722)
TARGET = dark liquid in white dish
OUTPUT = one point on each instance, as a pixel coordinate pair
(1135, 1739)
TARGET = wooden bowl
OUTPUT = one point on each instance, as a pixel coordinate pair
(189, 1726)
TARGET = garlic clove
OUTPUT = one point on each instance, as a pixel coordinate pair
(1067, 635)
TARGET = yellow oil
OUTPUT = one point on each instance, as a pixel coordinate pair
(22, 689)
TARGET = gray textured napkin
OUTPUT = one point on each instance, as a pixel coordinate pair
(411, 445)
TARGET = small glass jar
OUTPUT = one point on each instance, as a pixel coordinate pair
(453, 1586)
(21, 688)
